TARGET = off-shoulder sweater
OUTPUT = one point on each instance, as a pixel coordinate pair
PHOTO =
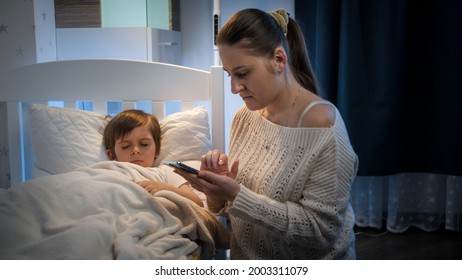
(295, 190)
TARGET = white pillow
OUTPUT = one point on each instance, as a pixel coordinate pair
(63, 139)
(185, 135)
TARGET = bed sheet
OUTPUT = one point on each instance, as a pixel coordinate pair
(99, 212)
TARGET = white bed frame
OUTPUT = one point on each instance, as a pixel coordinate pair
(101, 80)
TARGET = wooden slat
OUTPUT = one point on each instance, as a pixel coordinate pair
(69, 104)
(218, 114)
(100, 107)
(187, 106)
(127, 105)
(158, 109)
(14, 142)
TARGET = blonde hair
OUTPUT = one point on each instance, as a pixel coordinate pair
(282, 17)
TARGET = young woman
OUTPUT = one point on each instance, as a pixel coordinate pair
(134, 136)
(288, 189)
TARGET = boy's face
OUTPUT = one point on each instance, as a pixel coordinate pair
(137, 147)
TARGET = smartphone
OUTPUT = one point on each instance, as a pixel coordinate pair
(182, 166)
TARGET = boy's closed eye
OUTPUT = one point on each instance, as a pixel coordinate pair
(124, 146)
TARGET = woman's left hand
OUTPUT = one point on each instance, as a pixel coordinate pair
(215, 162)
(214, 185)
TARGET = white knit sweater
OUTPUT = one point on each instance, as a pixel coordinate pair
(295, 190)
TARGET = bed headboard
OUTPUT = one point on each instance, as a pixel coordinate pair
(102, 80)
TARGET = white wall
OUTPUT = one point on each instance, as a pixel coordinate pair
(166, 46)
(45, 30)
(17, 34)
(27, 36)
(27, 32)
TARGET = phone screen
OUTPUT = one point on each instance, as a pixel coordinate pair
(180, 165)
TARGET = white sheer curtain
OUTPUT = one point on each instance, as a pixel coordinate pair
(424, 200)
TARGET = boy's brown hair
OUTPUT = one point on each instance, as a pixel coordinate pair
(124, 122)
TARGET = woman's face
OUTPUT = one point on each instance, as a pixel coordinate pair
(137, 147)
(252, 77)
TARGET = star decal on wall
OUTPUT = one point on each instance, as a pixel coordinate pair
(3, 152)
(19, 51)
(3, 28)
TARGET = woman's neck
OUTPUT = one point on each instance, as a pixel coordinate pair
(282, 110)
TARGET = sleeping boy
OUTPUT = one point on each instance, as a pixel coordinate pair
(134, 136)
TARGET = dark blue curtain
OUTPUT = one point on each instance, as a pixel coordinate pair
(394, 70)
